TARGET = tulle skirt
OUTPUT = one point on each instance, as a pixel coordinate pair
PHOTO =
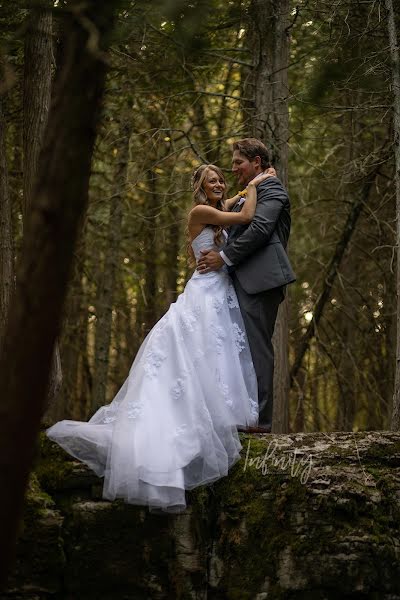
(173, 424)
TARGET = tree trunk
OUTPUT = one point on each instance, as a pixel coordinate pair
(345, 408)
(299, 412)
(36, 96)
(80, 408)
(172, 261)
(390, 302)
(58, 204)
(314, 392)
(394, 52)
(105, 294)
(38, 55)
(150, 291)
(124, 339)
(6, 233)
(268, 86)
(215, 153)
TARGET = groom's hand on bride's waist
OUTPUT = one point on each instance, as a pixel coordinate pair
(210, 261)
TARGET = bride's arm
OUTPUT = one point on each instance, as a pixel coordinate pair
(230, 202)
(207, 215)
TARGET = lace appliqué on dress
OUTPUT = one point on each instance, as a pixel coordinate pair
(153, 361)
(189, 318)
(220, 336)
(180, 430)
(109, 416)
(198, 356)
(177, 390)
(231, 297)
(134, 409)
(239, 337)
(224, 389)
(218, 303)
(225, 392)
(254, 409)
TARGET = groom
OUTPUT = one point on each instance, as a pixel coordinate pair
(258, 264)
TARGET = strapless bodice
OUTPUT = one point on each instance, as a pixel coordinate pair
(204, 241)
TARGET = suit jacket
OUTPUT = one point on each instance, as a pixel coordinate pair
(258, 250)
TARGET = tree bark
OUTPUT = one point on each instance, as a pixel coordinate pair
(216, 151)
(38, 56)
(36, 96)
(79, 408)
(59, 201)
(394, 52)
(269, 114)
(106, 291)
(345, 408)
(172, 254)
(150, 290)
(6, 233)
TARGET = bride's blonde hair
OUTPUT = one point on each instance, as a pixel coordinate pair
(200, 197)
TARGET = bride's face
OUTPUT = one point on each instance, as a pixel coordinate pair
(214, 187)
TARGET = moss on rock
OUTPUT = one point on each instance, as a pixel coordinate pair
(52, 465)
(300, 516)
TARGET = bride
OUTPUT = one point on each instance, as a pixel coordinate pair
(173, 424)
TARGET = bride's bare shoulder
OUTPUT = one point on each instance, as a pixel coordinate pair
(194, 229)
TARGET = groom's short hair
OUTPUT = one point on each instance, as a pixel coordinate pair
(250, 148)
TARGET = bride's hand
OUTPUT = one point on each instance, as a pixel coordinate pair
(270, 172)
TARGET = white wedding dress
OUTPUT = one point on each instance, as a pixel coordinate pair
(173, 424)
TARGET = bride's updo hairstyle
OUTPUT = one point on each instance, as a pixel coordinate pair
(200, 197)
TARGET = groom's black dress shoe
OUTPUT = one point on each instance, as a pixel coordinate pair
(254, 429)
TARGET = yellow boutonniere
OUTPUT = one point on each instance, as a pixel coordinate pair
(243, 193)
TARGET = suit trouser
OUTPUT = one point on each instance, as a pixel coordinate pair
(259, 313)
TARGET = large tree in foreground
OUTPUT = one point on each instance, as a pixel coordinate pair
(58, 203)
(6, 238)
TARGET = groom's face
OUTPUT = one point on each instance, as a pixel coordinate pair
(244, 169)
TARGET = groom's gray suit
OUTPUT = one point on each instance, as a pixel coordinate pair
(260, 271)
